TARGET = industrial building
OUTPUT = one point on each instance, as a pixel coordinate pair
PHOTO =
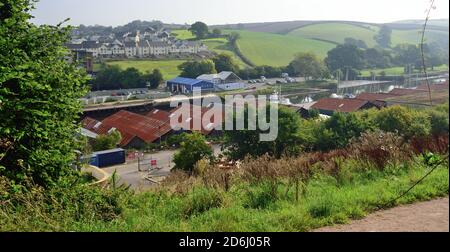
(182, 85)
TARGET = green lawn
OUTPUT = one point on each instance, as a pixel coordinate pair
(168, 67)
(278, 50)
(183, 34)
(337, 32)
(220, 45)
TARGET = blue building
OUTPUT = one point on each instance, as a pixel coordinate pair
(187, 85)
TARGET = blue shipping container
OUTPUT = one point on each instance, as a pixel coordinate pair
(107, 158)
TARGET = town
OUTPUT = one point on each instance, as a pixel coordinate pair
(222, 123)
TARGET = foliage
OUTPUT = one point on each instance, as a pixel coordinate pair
(107, 142)
(193, 149)
(193, 69)
(199, 30)
(337, 131)
(403, 121)
(39, 94)
(111, 77)
(345, 57)
(357, 42)
(383, 38)
(306, 65)
(240, 143)
(224, 62)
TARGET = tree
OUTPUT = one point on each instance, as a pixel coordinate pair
(107, 142)
(357, 42)
(408, 54)
(193, 69)
(193, 149)
(216, 33)
(199, 30)
(376, 58)
(155, 78)
(347, 58)
(240, 143)
(306, 65)
(224, 62)
(39, 98)
(338, 130)
(131, 78)
(383, 38)
(107, 78)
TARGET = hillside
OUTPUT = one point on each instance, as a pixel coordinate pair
(278, 50)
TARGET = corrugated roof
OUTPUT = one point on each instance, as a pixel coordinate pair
(405, 91)
(185, 81)
(189, 123)
(339, 105)
(374, 96)
(158, 114)
(442, 86)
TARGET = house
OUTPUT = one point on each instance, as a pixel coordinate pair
(220, 78)
(136, 130)
(187, 85)
(328, 106)
(378, 99)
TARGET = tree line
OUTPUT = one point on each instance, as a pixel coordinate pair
(111, 77)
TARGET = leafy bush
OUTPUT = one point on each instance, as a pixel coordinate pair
(193, 149)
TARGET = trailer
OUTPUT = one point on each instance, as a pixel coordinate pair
(107, 158)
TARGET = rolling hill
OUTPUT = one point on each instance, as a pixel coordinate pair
(278, 50)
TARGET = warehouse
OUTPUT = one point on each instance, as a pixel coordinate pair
(182, 85)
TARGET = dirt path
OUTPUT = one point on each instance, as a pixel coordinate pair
(431, 216)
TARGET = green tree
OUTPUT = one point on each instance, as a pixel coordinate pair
(193, 149)
(357, 42)
(156, 79)
(224, 62)
(346, 58)
(337, 131)
(131, 78)
(107, 142)
(216, 33)
(193, 69)
(383, 38)
(240, 143)
(404, 121)
(306, 65)
(39, 94)
(107, 78)
(199, 30)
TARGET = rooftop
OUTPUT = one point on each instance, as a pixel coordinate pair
(339, 105)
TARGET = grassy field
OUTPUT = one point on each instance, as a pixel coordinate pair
(278, 50)
(220, 45)
(183, 34)
(168, 67)
(337, 32)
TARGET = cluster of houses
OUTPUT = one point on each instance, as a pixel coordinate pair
(136, 45)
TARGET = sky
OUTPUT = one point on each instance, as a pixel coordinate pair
(120, 12)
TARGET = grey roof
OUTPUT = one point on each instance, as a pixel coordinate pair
(74, 46)
(157, 44)
(90, 44)
(222, 76)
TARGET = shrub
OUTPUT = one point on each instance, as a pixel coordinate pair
(193, 149)
(404, 121)
(202, 200)
(380, 148)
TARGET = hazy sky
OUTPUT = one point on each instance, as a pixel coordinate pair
(119, 12)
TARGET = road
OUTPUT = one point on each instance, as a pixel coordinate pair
(129, 174)
(431, 216)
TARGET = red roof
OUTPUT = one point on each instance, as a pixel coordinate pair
(374, 96)
(339, 105)
(405, 91)
(131, 124)
(188, 124)
(434, 87)
(159, 115)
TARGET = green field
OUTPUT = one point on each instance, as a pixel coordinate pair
(169, 68)
(183, 34)
(278, 50)
(337, 32)
(220, 45)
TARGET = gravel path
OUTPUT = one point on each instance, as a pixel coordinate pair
(431, 216)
